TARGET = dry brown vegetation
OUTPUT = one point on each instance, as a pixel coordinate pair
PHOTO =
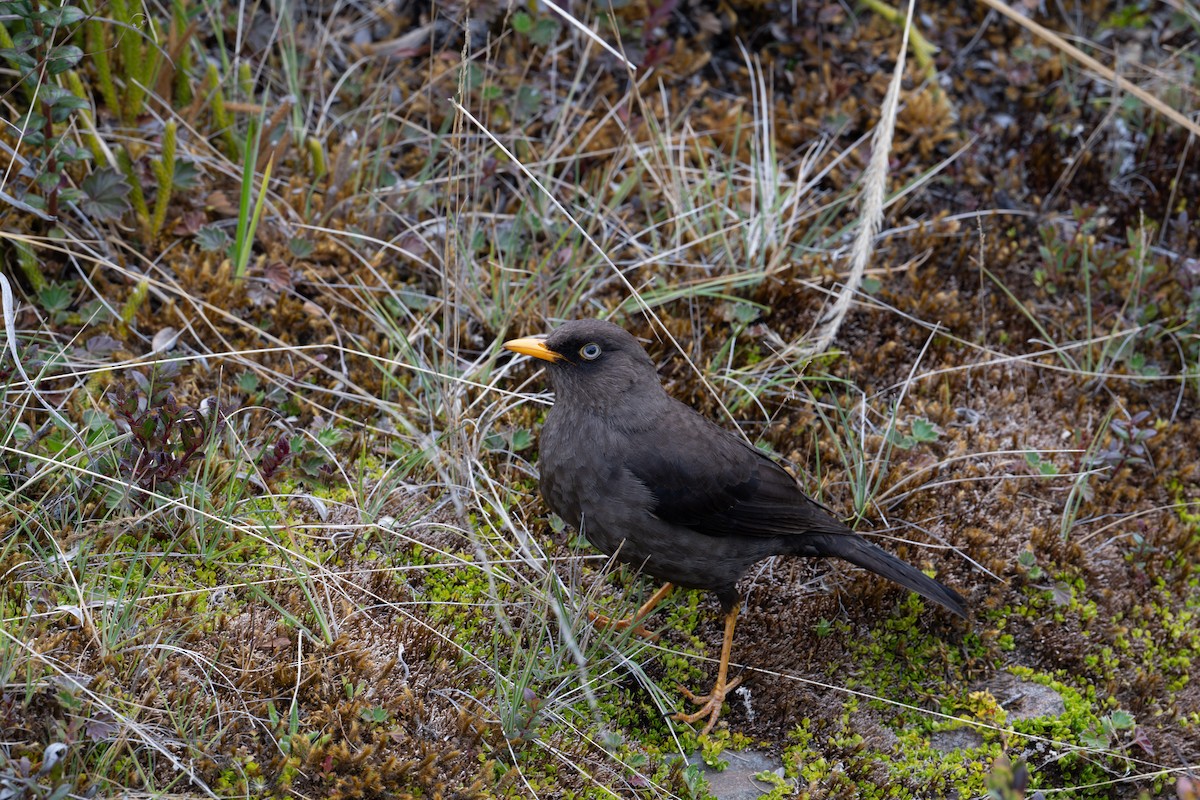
(269, 521)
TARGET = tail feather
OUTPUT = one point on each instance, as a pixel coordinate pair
(858, 551)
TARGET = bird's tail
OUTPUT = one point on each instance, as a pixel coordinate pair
(858, 551)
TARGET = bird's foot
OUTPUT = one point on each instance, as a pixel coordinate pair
(710, 704)
(635, 621)
(608, 623)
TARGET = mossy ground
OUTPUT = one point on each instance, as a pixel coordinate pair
(271, 527)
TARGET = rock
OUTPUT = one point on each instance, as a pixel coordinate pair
(737, 781)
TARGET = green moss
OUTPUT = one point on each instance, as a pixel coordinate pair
(458, 598)
(899, 662)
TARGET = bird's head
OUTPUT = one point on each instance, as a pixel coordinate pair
(593, 364)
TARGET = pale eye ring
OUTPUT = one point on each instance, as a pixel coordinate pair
(590, 351)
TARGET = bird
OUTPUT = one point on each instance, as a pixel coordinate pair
(652, 482)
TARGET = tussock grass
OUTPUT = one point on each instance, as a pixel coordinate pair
(268, 491)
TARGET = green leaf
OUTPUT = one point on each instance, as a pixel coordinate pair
(35, 202)
(68, 152)
(330, 437)
(51, 95)
(300, 247)
(32, 121)
(22, 61)
(26, 40)
(545, 32)
(65, 106)
(376, 715)
(186, 174)
(61, 101)
(1122, 720)
(212, 239)
(903, 441)
(1028, 561)
(56, 297)
(1043, 467)
(63, 58)
(107, 194)
(745, 313)
(521, 439)
(1094, 738)
(522, 23)
(924, 431)
(529, 100)
(247, 383)
(48, 181)
(63, 15)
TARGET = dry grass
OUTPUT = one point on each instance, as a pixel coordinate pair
(269, 514)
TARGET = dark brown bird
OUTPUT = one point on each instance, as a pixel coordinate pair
(651, 481)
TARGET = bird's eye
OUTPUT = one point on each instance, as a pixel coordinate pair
(590, 352)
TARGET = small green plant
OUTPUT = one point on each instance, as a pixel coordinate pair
(695, 782)
(56, 299)
(1108, 732)
(134, 302)
(1008, 780)
(1043, 282)
(781, 786)
(169, 174)
(105, 194)
(711, 747)
(222, 120)
(510, 441)
(20, 779)
(249, 209)
(164, 176)
(274, 457)
(164, 438)
(524, 718)
(34, 43)
(1042, 467)
(1028, 562)
(212, 239)
(921, 431)
(312, 456)
(542, 31)
(133, 38)
(375, 715)
(1128, 445)
(137, 197)
(843, 423)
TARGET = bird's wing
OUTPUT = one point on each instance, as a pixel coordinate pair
(705, 478)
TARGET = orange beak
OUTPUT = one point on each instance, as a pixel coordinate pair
(532, 346)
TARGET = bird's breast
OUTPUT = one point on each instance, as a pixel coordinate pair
(584, 478)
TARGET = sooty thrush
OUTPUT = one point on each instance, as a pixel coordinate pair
(651, 481)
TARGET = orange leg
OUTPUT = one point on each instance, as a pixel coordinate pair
(635, 621)
(710, 704)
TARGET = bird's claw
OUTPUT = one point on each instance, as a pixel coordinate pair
(710, 704)
(608, 623)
